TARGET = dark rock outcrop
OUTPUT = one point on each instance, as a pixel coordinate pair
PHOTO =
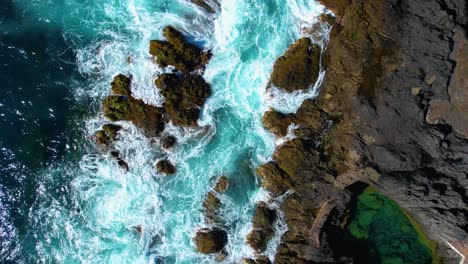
(183, 97)
(208, 5)
(262, 231)
(107, 134)
(388, 62)
(210, 240)
(123, 106)
(165, 167)
(212, 202)
(298, 68)
(168, 141)
(178, 52)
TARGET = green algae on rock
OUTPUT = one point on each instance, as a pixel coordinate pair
(178, 52)
(123, 106)
(379, 231)
(298, 68)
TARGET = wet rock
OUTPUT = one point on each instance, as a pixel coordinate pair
(165, 167)
(178, 52)
(118, 157)
(208, 5)
(107, 134)
(123, 106)
(168, 141)
(222, 184)
(183, 97)
(211, 205)
(258, 260)
(210, 240)
(375, 120)
(262, 231)
(298, 68)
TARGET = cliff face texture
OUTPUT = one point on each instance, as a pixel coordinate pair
(392, 112)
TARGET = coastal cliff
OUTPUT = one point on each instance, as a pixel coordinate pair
(389, 114)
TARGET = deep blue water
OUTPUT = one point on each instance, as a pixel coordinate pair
(62, 200)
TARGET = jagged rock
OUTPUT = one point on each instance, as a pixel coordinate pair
(210, 240)
(168, 141)
(122, 163)
(183, 97)
(222, 184)
(165, 167)
(298, 68)
(262, 231)
(178, 52)
(123, 106)
(208, 5)
(258, 260)
(211, 205)
(108, 134)
(386, 61)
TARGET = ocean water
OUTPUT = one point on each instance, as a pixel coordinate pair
(62, 199)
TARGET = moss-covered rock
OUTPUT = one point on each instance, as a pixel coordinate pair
(183, 97)
(298, 68)
(210, 240)
(165, 167)
(178, 52)
(123, 106)
(262, 231)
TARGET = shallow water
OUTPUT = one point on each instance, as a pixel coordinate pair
(65, 201)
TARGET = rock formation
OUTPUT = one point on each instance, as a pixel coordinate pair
(388, 114)
(165, 167)
(298, 68)
(262, 231)
(210, 240)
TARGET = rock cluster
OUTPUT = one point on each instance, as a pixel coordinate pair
(373, 122)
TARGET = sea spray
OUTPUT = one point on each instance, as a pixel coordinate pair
(92, 210)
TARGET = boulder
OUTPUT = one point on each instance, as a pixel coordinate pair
(183, 97)
(165, 167)
(298, 68)
(210, 240)
(178, 52)
(222, 184)
(123, 106)
(168, 141)
(107, 134)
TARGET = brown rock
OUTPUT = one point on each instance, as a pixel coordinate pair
(262, 232)
(210, 240)
(165, 167)
(183, 97)
(298, 68)
(178, 52)
(123, 106)
(168, 141)
(222, 184)
(211, 205)
(208, 5)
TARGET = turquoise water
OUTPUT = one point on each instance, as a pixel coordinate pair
(82, 208)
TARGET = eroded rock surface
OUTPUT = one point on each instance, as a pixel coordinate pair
(262, 231)
(387, 63)
(298, 68)
(210, 240)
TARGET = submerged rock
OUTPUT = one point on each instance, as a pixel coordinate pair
(222, 184)
(298, 68)
(123, 106)
(183, 97)
(165, 167)
(210, 240)
(262, 231)
(212, 202)
(178, 52)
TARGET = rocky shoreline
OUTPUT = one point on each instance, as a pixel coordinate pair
(389, 114)
(383, 118)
